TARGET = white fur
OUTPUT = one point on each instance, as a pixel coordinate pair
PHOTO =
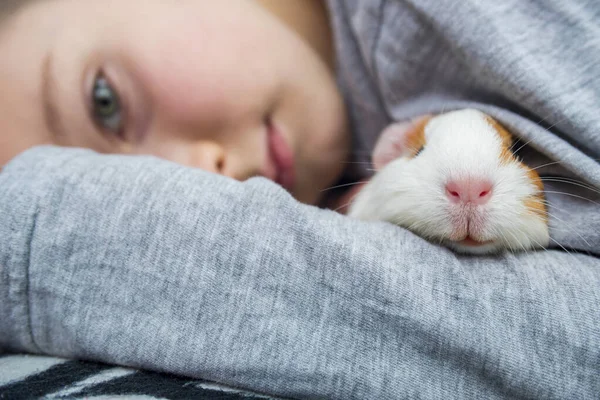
(459, 145)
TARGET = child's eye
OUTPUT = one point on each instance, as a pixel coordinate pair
(106, 106)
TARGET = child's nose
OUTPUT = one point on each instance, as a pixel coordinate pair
(209, 156)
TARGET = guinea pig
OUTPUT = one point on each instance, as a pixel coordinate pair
(453, 179)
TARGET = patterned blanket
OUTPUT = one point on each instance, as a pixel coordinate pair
(36, 377)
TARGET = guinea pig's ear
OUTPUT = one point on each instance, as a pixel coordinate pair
(401, 139)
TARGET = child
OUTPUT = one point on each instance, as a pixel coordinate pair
(223, 86)
(138, 261)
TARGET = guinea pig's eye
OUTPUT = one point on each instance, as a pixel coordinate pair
(106, 107)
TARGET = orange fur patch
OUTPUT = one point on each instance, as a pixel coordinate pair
(535, 203)
(507, 140)
(415, 140)
(535, 178)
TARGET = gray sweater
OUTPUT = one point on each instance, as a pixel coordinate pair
(140, 262)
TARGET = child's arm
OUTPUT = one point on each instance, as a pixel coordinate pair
(140, 262)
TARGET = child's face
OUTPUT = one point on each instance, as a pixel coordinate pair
(198, 82)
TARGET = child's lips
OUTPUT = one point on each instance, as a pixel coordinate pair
(282, 157)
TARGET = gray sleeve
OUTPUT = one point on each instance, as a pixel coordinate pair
(140, 262)
(533, 65)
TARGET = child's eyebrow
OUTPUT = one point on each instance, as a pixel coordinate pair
(51, 115)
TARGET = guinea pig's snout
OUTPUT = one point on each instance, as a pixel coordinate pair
(474, 191)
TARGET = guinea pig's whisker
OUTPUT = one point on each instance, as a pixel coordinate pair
(343, 185)
(515, 246)
(535, 241)
(569, 227)
(539, 245)
(556, 123)
(512, 147)
(525, 249)
(498, 232)
(559, 162)
(444, 108)
(551, 115)
(521, 147)
(549, 205)
(553, 216)
(516, 241)
(546, 165)
(570, 181)
(572, 195)
(560, 245)
(557, 243)
(344, 205)
(539, 122)
(544, 202)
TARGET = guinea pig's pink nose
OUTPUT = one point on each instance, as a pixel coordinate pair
(475, 191)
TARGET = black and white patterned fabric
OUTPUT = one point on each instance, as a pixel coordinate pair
(37, 377)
